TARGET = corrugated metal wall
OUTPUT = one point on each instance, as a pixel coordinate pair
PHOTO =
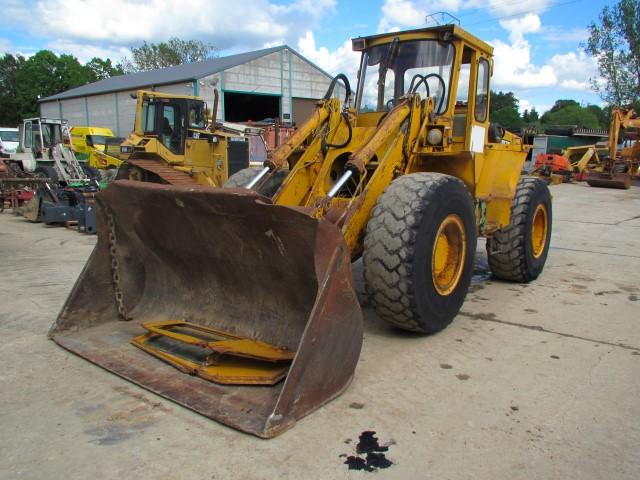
(102, 111)
(281, 73)
(50, 110)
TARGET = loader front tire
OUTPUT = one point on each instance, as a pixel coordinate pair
(242, 177)
(419, 251)
(519, 251)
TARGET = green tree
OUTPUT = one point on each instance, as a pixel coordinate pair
(508, 117)
(150, 56)
(533, 115)
(615, 42)
(560, 104)
(500, 100)
(504, 110)
(99, 69)
(9, 108)
(602, 115)
(571, 115)
(24, 81)
(45, 74)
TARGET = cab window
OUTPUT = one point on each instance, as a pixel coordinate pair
(28, 135)
(482, 90)
(171, 127)
(148, 117)
(196, 116)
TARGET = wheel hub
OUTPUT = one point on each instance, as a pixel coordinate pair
(448, 254)
(539, 231)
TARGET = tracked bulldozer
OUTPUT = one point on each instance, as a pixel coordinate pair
(247, 289)
(174, 143)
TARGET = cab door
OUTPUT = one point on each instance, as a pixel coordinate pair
(479, 116)
(26, 140)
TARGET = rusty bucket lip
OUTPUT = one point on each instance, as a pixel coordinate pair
(89, 327)
(59, 339)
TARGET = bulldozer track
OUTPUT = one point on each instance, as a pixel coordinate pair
(167, 173)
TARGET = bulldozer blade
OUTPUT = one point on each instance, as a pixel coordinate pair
(609, 180)
(228, 260)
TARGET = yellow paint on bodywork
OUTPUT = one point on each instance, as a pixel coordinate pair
(385, 145)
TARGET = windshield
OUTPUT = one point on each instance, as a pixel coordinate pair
(9, 135)
(52, 133)
(196, 115)
(96, 139)
(388, 72)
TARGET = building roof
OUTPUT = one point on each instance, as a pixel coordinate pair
(163, 76)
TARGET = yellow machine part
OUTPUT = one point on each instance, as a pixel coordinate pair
(215, 355)
(267, 280)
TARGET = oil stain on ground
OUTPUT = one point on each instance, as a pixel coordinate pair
(370, 454)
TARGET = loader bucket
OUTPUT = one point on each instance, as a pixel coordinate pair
(189, 262)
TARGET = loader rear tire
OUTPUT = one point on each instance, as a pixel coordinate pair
(419, 251)
(244, 176)
(519, 251)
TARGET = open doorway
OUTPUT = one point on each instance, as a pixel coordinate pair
(241, 107)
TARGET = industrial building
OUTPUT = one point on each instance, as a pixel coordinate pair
(275, 82)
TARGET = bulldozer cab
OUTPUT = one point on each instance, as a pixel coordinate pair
(173, 144)
(171, 120)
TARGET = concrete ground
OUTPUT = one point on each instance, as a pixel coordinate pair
(530, 381)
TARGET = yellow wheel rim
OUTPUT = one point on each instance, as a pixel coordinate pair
(539, 230)
(447, 260)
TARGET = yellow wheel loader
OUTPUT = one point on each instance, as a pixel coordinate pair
(172, 144)
(247, 289)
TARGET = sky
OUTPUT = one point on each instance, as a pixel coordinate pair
(537, 51)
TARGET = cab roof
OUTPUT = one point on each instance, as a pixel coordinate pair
(451, 31)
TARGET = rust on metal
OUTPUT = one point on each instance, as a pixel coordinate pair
(160, 168)
(226, 266)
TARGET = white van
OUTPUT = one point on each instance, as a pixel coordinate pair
(8, 141)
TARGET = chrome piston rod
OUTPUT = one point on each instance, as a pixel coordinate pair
(257, 178)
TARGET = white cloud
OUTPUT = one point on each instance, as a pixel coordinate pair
(341, 60)
(125, 22)
(513, 67)
(555, 34)
(574, 70)
(525, 104)
(85, 52)
(400, 14)
(518, 27)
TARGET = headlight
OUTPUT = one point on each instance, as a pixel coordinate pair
(126, 149)
(434, 136)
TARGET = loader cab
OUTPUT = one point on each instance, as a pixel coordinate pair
(170, 119)
(391, 70)
(40, 134)
(444, 63)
